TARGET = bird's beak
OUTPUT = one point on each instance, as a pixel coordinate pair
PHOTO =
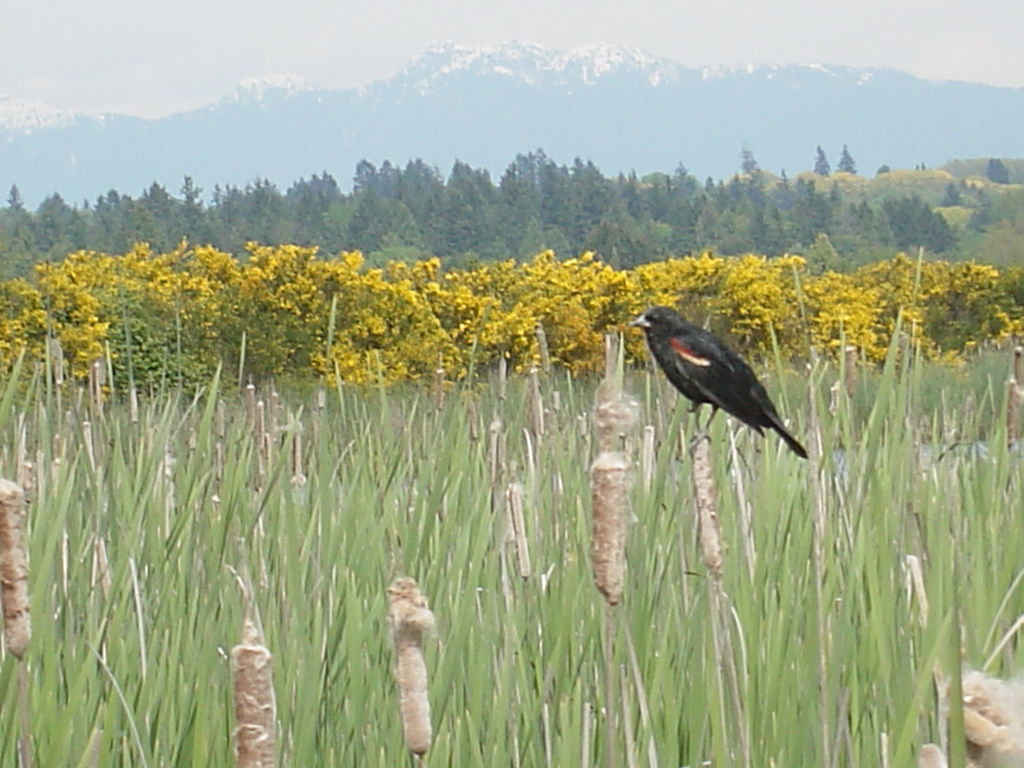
(639, 322)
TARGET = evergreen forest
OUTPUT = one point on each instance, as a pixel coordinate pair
(836, 219)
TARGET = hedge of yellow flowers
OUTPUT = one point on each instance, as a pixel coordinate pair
(289, 311)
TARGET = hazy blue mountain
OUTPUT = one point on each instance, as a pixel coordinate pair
(622, 109)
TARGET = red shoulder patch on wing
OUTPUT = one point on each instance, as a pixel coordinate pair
(688, 354)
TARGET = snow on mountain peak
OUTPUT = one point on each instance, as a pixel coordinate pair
(530, 63)
(256, 88)
(20, 115)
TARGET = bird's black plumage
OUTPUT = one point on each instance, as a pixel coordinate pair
(706, 371)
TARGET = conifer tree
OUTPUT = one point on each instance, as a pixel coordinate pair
(846, 162)
(821, 165)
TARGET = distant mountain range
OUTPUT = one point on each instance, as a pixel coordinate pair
(623, 109)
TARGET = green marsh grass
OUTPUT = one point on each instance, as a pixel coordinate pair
(141, 531)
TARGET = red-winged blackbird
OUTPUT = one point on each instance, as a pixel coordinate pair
(706, 371)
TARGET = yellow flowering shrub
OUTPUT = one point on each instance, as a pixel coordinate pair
(757, 297)
(22, 321)
(843, 313)
(294, 312)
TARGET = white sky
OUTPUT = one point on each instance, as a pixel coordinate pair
(150, 59)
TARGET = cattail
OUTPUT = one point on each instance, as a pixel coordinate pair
(410, 620)
(220, 419)
(133, 404)
(994, 719)
(100, 565)
(609, 489)
(502, 378)
(14, 569)
(517, 528)
(97, 378)
(55, 352)
(615, 417)
(473, 419)
(915, 584)
(262, 442)
(536, 405)
(542, 349)
(707, 506)
(250, 402)
(496, 464)
(90, 450)
(647, 456)
(833, 398)
(850, 366)
(1012, 410)
(438, 390)
(298, 476)
(273, 406)
(931, 757)
(255, 742)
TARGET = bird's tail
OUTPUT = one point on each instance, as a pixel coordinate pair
(791, 441)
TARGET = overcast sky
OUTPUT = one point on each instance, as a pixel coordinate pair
(151, 59)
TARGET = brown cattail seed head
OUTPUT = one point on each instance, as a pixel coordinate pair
(254, 701)
(707, 506)
(615, 415)
(994, 719)
(410, 620)
(931, 757)
(14, 569)
(609, 489)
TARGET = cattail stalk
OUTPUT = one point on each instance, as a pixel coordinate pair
(931, 757)
(133, 404)
(709, 530)
(496, 464)
(250, 403)
(502, 378)
(517, 528)
(615, 417)
(712, 551)
(410, 620)
(850, 369)
(438, 390)
(273, 406)
(542, 349)
(262, 443)
(1013, 398)
(255, 710)
(15, 599)
(609, 489)
(55, 355)
(298, 476)
(820, 538)
(993, 710)
(536, 405)
(473, 419)
(647, 456)
(97, 376)
(1012, 409)
(14, 569)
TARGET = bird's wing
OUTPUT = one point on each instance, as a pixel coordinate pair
(701, 352)
(692, 362)
(689, 353)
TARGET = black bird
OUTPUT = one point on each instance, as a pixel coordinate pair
(706, 371)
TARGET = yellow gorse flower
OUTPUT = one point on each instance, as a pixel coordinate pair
(292, 311)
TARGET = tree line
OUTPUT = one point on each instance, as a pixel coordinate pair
(466, 217)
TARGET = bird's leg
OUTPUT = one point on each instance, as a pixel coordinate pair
(703, 434)
(714, 410)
